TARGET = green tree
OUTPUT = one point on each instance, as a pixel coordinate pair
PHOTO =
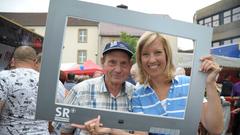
(132, 41)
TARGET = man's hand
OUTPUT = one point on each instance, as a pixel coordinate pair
(94, 127)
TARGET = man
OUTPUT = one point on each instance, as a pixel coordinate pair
(236, 89)
(110, 91)
(134, 75)
(226, 86)
(236, 112)
(61, 91)
(70, 82)
(18, 96)
(236, 116)
(180, 71)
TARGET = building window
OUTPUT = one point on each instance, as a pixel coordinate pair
(82, 36)
(227, 20)
(227, 17)
(236, 14)
(227, 42)
(215, 22)
(81, 56)
(208, 21)
(236, 17)
(236, 40)
(215, 44)
(200, 22)
(227, 13)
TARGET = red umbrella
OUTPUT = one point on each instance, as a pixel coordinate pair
(88, 68)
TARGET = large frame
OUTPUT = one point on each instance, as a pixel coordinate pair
(59, 10)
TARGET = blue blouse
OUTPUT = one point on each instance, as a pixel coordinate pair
(146, 101)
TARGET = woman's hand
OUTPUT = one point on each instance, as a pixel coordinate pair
(210, 67)
(212, 113)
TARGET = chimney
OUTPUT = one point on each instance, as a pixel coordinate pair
(122, 6)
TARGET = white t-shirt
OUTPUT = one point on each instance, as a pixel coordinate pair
(18, 92)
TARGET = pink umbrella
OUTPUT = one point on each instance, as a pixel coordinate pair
(88, 68)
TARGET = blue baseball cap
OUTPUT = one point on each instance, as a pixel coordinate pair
(117, 45)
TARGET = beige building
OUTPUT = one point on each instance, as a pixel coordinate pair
(224, 17)
(83, 40)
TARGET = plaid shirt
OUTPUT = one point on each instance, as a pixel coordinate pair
(93, 93)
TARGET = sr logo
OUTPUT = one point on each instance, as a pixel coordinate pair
(62, 112)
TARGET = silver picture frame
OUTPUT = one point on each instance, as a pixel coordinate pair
(60, 10)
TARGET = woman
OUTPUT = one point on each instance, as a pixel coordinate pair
(156, 73)
(154, 59)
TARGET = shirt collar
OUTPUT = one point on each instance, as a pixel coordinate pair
(103, 88)
(175, 81)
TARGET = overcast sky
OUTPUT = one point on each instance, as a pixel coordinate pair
(177, 9)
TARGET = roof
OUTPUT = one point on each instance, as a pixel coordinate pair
(39, 19)
(108, 29)
(219, 6)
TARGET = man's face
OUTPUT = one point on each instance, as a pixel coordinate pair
(116, 65)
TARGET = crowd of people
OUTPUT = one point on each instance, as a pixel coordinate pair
(158, 88)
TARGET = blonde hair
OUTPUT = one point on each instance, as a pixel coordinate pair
(146, 39)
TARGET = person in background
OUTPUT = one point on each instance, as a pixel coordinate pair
(110, 91)
(168, 93)
(236, 112)
(131, 75)
(62, 76)
(97, 74)
(134, 74)
(61, 92)
(80, 78)
(70, 82)
(180, 71)
(226, 86)
(236, 120)
(10, 65)
(236, 89)
(18, 96)
(130, 79)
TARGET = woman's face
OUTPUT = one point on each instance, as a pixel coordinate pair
(153, 59)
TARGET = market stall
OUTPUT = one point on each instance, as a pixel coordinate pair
(87, 68)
